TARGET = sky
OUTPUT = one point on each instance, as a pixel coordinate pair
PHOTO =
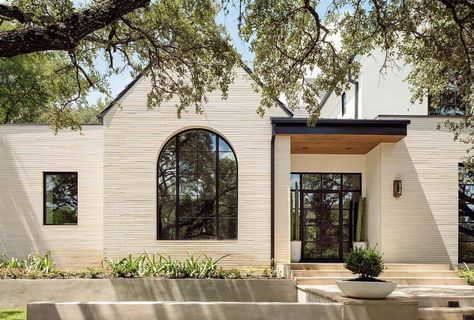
(230, 20)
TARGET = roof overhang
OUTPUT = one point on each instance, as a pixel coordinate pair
(339, 136)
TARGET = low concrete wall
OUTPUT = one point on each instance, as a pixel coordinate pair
(360, 309)
(184, 311)
(17, 293)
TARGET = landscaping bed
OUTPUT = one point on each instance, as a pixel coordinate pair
(153, 266)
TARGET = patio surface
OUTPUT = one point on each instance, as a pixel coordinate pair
(426, 296)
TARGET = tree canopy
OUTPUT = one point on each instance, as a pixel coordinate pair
(179, 44)
(186, 53)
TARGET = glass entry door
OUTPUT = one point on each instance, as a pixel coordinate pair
(321, 226)
(327, 207)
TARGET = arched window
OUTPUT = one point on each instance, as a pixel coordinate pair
(197, 187)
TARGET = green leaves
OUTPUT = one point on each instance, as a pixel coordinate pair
(34, 263)
(177, 43)
(151, 265)
(306, 48)
(467, 273)
(367, 263)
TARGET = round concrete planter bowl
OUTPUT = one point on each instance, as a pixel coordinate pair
(366, 289)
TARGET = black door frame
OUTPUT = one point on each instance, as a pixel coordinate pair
(341, 223)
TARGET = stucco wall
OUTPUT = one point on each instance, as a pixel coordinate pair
(333, 106)
(386, 92)
(282, 198)
(381, 92)
(421, 225)
(26, 151)
(373, 196)
(133, 138)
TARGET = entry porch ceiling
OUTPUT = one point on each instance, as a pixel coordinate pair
(339, 136)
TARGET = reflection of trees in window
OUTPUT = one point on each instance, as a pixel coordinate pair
(449, 103)
(466, 215)
(197, 187)
(60, 198)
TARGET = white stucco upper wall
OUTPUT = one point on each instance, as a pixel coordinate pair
(380, 93)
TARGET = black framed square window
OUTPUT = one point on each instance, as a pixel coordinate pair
(60, 198)
(448, 103)
(344, 103)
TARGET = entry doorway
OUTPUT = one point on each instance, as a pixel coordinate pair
(327, 207)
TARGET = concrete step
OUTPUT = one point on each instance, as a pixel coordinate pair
(416, 266)
(316, 266)
(445, 313)
(387, 273)
(440, 281)
(388, 266)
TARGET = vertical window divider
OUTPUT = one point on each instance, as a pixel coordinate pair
(176, 215)
(217, 188)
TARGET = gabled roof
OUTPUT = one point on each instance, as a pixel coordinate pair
(101, 115)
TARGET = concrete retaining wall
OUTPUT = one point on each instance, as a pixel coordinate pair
(17, 293)
(184, 311)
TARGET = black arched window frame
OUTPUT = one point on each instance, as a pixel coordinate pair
(217, 191)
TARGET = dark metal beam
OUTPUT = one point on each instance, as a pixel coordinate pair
(341, 126)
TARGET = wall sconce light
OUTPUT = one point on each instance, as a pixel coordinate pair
(397, 188)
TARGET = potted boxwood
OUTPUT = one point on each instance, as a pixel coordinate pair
(360, 230)
(368, 264)
(295, 227)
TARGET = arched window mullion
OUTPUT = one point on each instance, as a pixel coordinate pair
(178, 178)
(217, 188)
(199, 211)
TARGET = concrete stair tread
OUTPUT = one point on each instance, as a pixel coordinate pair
(437, 273)
(389, 266)
(444, 313)
(391, 278)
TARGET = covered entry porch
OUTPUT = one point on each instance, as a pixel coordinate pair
(320, 173)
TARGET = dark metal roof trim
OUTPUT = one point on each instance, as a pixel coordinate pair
(261, 84)
(101, 115)
(341, 126)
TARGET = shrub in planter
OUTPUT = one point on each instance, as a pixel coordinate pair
(368, 264)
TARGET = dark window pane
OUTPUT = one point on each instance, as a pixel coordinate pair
(202, 195)
(197, 228)
(330, 201)
(331, 181)
(197, 140)
(351, 182)
(311, 181)
(228, 228)
(310, 233)
(330, 251)
(311, 250)
(60, 198)
(167, 214)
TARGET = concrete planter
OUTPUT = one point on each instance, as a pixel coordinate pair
(295, 251)
(360, 245)
(21, 292)
(366, 289)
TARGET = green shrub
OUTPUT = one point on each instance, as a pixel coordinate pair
(467, 273)
(367, 263)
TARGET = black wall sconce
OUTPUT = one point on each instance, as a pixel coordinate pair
(397, 188)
